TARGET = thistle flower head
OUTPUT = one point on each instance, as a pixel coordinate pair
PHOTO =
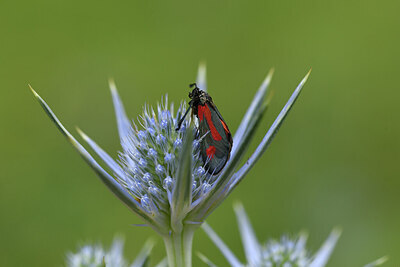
(95, 255)
(151, 157)
(159, 174)
(286, 252)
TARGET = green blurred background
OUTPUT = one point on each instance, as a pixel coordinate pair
(335, 162)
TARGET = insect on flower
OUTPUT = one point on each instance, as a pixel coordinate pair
(160, 174)
(216, 139)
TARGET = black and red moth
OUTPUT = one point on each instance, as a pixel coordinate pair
(216, 142)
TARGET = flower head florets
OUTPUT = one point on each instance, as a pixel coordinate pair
(286, 252)
(95, 255)
(151, 158)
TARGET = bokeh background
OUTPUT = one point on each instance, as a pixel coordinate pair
(335, 162)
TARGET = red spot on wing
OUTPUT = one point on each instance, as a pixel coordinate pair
(211, 151)
(225, 127)
(204, 111)
(200, 112)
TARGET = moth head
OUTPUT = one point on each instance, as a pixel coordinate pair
(197, 95)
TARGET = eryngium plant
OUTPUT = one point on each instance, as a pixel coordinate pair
(286, 252)
(158, 173)
(94, 255)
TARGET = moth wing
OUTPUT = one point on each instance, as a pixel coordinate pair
(216, 144)
(226, 129)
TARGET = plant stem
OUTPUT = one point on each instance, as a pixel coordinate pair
(179, 247)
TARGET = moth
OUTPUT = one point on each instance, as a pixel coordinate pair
(216, 139)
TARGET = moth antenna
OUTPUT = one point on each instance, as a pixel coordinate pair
(181, 120)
